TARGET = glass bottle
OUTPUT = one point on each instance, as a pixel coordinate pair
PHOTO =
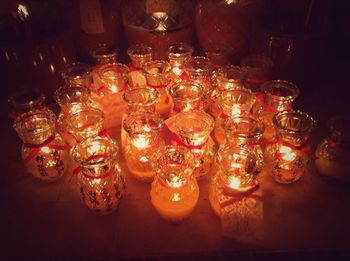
(232, 103)
(26, 101)
(227, 22)
(246, 131)
(174, 190)
(199, 70)
(186, 97)
(139, 55)
(177, 55)
(44, 152)
(158, 76)
(227, 78)
(158, 24)
(138, 100)
(77, 74)
(290, 154)
(234, 194)
(71, 99)
(114, 82)
(192, 131)
(333, 153)
(256, 69)
(142, 142)
(84, 124)
(276, 96)
(101, 182)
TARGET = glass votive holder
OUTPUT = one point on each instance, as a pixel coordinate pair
(177, 55)
(174, 191)
(100, 180)
(77, 74)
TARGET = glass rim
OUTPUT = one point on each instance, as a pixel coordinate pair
(151, 91)
(134, 51)
(13, 99)
(293, 88)
(278, 117)
(258, 124)
(173, 88)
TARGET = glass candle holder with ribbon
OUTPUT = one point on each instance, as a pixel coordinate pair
(246, 131)
(227, 78)
(333, 152)
(276, 96)
(77, 74)
(199, 70)
(174, 191)
(44, 152)
(71, 99)
(142, 142)
(138, 100)
(100, 180)
(232, 103)
(104, 54)
(114, 80)
(192, 130)
(26, 101)
(289, 154)
(177, 55)
(158, 76)
(139, 55)
(186, 97)
(234, 194)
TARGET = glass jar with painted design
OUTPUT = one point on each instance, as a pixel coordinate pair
(289, 155)
(44, 152)
(100, 179)
(174, 191)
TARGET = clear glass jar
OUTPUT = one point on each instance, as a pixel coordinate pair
(138, 100)
(276, 96)
(199, 70)
(77, 74)
(84, 124)
(142, 142)
(246, 131)
(114, 82)
(227, 22)
(234, 194)
(232, 103)
(290, 154)
(139, 55)
(26, 101)
(333, 153)
(256, 69)
(158, 76)
(101, 182)
(177, 55)
(44, 152)
(186, 97)
(218, 54)
(174, 191)
(158, 24)
(227, 78)
(192, 130)
(71, 99)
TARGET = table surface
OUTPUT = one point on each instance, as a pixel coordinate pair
(48, 220)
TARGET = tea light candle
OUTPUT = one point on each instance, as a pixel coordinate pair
(174, 192)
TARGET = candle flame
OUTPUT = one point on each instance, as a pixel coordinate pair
(287, 153)
(176, 197)
(45, 149)
(235, 111)
(177, 71)
(141, 142)
(114, 89)
(235, 182)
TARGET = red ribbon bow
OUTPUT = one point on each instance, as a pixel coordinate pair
(37, 147)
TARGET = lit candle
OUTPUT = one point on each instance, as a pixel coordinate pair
(174, 192)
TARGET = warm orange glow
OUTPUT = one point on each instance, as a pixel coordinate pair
(235, 182)
(94, 148)
(141, 142)
(287, 153)
(114, 89)
(177, 71)
(235, 110)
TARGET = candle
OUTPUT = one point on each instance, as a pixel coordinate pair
(174, 191)
(142, 141)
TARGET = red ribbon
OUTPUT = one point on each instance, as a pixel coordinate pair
(174, 138)
(256, 81)
(37, 147)
(104, 89)
(133, 67)
(261, 97)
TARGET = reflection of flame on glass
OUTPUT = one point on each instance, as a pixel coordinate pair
(45, 149)
(177, 71)
(22, 11)
(287, 153)
(176, 182)
(235, 110)
(176, 197)
(114, 89)
(140, 142)
(160, 17)
(93, 149)
(235, 182)
(143, 159)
